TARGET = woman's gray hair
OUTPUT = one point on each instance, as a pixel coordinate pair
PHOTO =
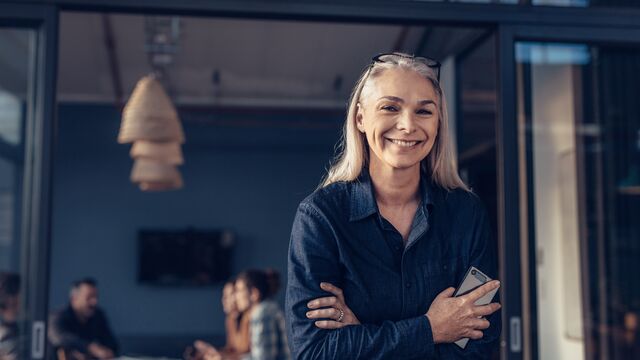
(440, 164)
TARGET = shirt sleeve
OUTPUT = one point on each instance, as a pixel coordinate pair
(60, 336)
(264, 338)
(106, 336)
(482, 257)
(313, 258)
(9, 347)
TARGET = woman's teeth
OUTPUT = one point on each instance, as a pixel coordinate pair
(403, 143)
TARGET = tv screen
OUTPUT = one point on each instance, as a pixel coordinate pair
(184, 258)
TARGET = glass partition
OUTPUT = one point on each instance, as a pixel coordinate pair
(579, 125)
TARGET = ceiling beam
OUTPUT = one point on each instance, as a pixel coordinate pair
(398, 45)
(374, 11)
(112, 57)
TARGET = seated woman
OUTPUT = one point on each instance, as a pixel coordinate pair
(236, 325)
(390, 232)
(254, 291)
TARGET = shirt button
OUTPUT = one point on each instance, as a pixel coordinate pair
(408, 285)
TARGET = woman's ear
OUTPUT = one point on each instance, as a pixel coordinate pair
(359, 116)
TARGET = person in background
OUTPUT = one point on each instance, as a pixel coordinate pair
(81, 328)
(236, 325)
(236, 322)
(254, 290)
(9, 308)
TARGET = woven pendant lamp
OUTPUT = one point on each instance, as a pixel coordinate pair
(150, 121)
(150, 115)
(160, 186)
(155, 175)
(168, 152)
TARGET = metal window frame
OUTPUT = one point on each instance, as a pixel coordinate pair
(36, 186)
(510, 35)
(513, 23)
(383, 11)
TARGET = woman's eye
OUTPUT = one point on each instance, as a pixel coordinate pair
(424, 112)
(389, 108)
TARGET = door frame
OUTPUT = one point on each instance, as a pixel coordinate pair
(36, 185)
(513, 23)
(519, 222)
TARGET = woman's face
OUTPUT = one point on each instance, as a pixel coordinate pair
(228, 298)
(399, 116)
(242, 295)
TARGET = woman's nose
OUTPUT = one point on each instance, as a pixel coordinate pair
(406, 122)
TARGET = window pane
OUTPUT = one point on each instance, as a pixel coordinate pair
(580, 135)
(16, 54)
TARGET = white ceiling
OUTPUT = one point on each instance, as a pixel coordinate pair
(260, 62)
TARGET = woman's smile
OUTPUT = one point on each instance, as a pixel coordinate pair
(404, 143)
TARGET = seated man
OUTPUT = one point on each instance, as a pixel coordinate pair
(9, 290)
(81, 329)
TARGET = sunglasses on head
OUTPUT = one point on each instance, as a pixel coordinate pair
(392, 58)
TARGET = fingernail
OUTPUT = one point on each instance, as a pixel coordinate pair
(308, 314)
(497, 283)
(323, 284)
(310, 304)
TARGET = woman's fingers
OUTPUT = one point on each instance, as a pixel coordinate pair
(203, 346)
(482, 291)
(480, 324)
(446, 293)
(322, 302)
(486, 310)
(329, 313)
(329, 324)
(476, 335)
(332, 289)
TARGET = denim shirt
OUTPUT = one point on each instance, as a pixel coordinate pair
(339, 236)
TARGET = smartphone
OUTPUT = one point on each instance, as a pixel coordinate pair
(473, 279)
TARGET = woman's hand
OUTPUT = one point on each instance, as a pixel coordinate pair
(454, 318)
(207, 351)
(332, 307)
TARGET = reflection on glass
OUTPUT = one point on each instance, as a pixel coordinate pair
(11, 115)
(475, 128)
(580, 124)
(561, 2)
(584, 3)
(513, 2)
(16, 53)
(487, 1)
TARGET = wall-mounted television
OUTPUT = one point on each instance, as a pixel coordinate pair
(188, 257)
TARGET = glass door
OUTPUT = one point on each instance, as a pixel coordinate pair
(26, 99)
(579, 139)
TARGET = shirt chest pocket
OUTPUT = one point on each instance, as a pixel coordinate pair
(440, 274)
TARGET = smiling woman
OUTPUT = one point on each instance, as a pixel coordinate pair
(400, 129)
(375, 251)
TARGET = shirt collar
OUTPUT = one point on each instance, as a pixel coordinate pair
(363, 202)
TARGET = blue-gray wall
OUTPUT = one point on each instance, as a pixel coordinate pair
(246, 172)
